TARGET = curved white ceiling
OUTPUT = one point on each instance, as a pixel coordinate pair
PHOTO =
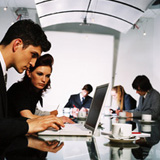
(120, 15)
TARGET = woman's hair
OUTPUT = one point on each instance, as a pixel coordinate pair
(120, 95)
(45, 60)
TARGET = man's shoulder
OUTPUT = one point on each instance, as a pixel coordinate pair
(17, 86)
(75, 95)
(89, 97)
(14, 85)
(128, 96)
(153, 91)
(154, 94)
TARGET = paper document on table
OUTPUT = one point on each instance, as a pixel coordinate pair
(137, 134)
(140, 134)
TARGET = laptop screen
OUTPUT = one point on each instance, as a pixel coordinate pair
(96, 106)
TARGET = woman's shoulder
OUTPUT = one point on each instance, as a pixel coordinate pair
(128, 96)
(17, 86)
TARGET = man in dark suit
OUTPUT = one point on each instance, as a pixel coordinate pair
(21, 46)
(149, 101)
(81, 100)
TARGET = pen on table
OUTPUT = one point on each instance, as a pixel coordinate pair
(136, 132)
(57, 107)
(74, 106)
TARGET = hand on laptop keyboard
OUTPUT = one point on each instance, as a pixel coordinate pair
(66, 120)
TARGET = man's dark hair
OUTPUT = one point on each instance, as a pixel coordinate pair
(30, 33)
(141, 82)
(88, 88)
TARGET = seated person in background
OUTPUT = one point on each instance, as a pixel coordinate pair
(24, 96)
(149, 101)
(124, 100)
(80, 101)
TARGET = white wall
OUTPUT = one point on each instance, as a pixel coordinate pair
(79, 59)
(139, 54)
(156, 53)
(8, 17)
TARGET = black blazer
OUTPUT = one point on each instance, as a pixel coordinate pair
(74, 100)
(3, 96)
(9, 127)
(18, 149)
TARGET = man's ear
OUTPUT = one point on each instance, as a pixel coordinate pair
(28, 73)
(16, 44)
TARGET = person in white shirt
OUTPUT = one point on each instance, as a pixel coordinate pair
(22, 44)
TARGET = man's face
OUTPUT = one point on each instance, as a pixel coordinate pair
(84, 93)
(24, 57)
(40, 76)
(140, 92)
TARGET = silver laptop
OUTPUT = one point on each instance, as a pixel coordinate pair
(92, 121)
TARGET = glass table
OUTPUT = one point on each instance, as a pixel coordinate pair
(97, 147)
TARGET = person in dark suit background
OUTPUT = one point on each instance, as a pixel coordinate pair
(81, 100)
(20, 47)
(149, 100)
(124, 100)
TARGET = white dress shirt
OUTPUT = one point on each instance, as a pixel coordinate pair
(81, 97)
(3, 64)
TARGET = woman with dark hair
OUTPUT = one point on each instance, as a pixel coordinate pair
(23, 96)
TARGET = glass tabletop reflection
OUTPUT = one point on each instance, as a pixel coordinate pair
(97, 147)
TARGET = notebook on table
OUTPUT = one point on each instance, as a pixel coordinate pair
(92, 121)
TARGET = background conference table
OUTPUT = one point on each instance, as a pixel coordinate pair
(97, 147)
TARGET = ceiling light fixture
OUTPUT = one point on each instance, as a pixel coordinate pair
(22, 13)
(144, 25)
(144, 33)
(5, 8)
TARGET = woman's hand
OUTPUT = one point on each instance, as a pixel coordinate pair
(55, 112)
(117, 112)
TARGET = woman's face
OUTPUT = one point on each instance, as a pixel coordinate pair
(40, 76)
(114, 94)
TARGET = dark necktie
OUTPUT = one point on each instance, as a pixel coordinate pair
(5, 78)
(143, 100)
(83, 100)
